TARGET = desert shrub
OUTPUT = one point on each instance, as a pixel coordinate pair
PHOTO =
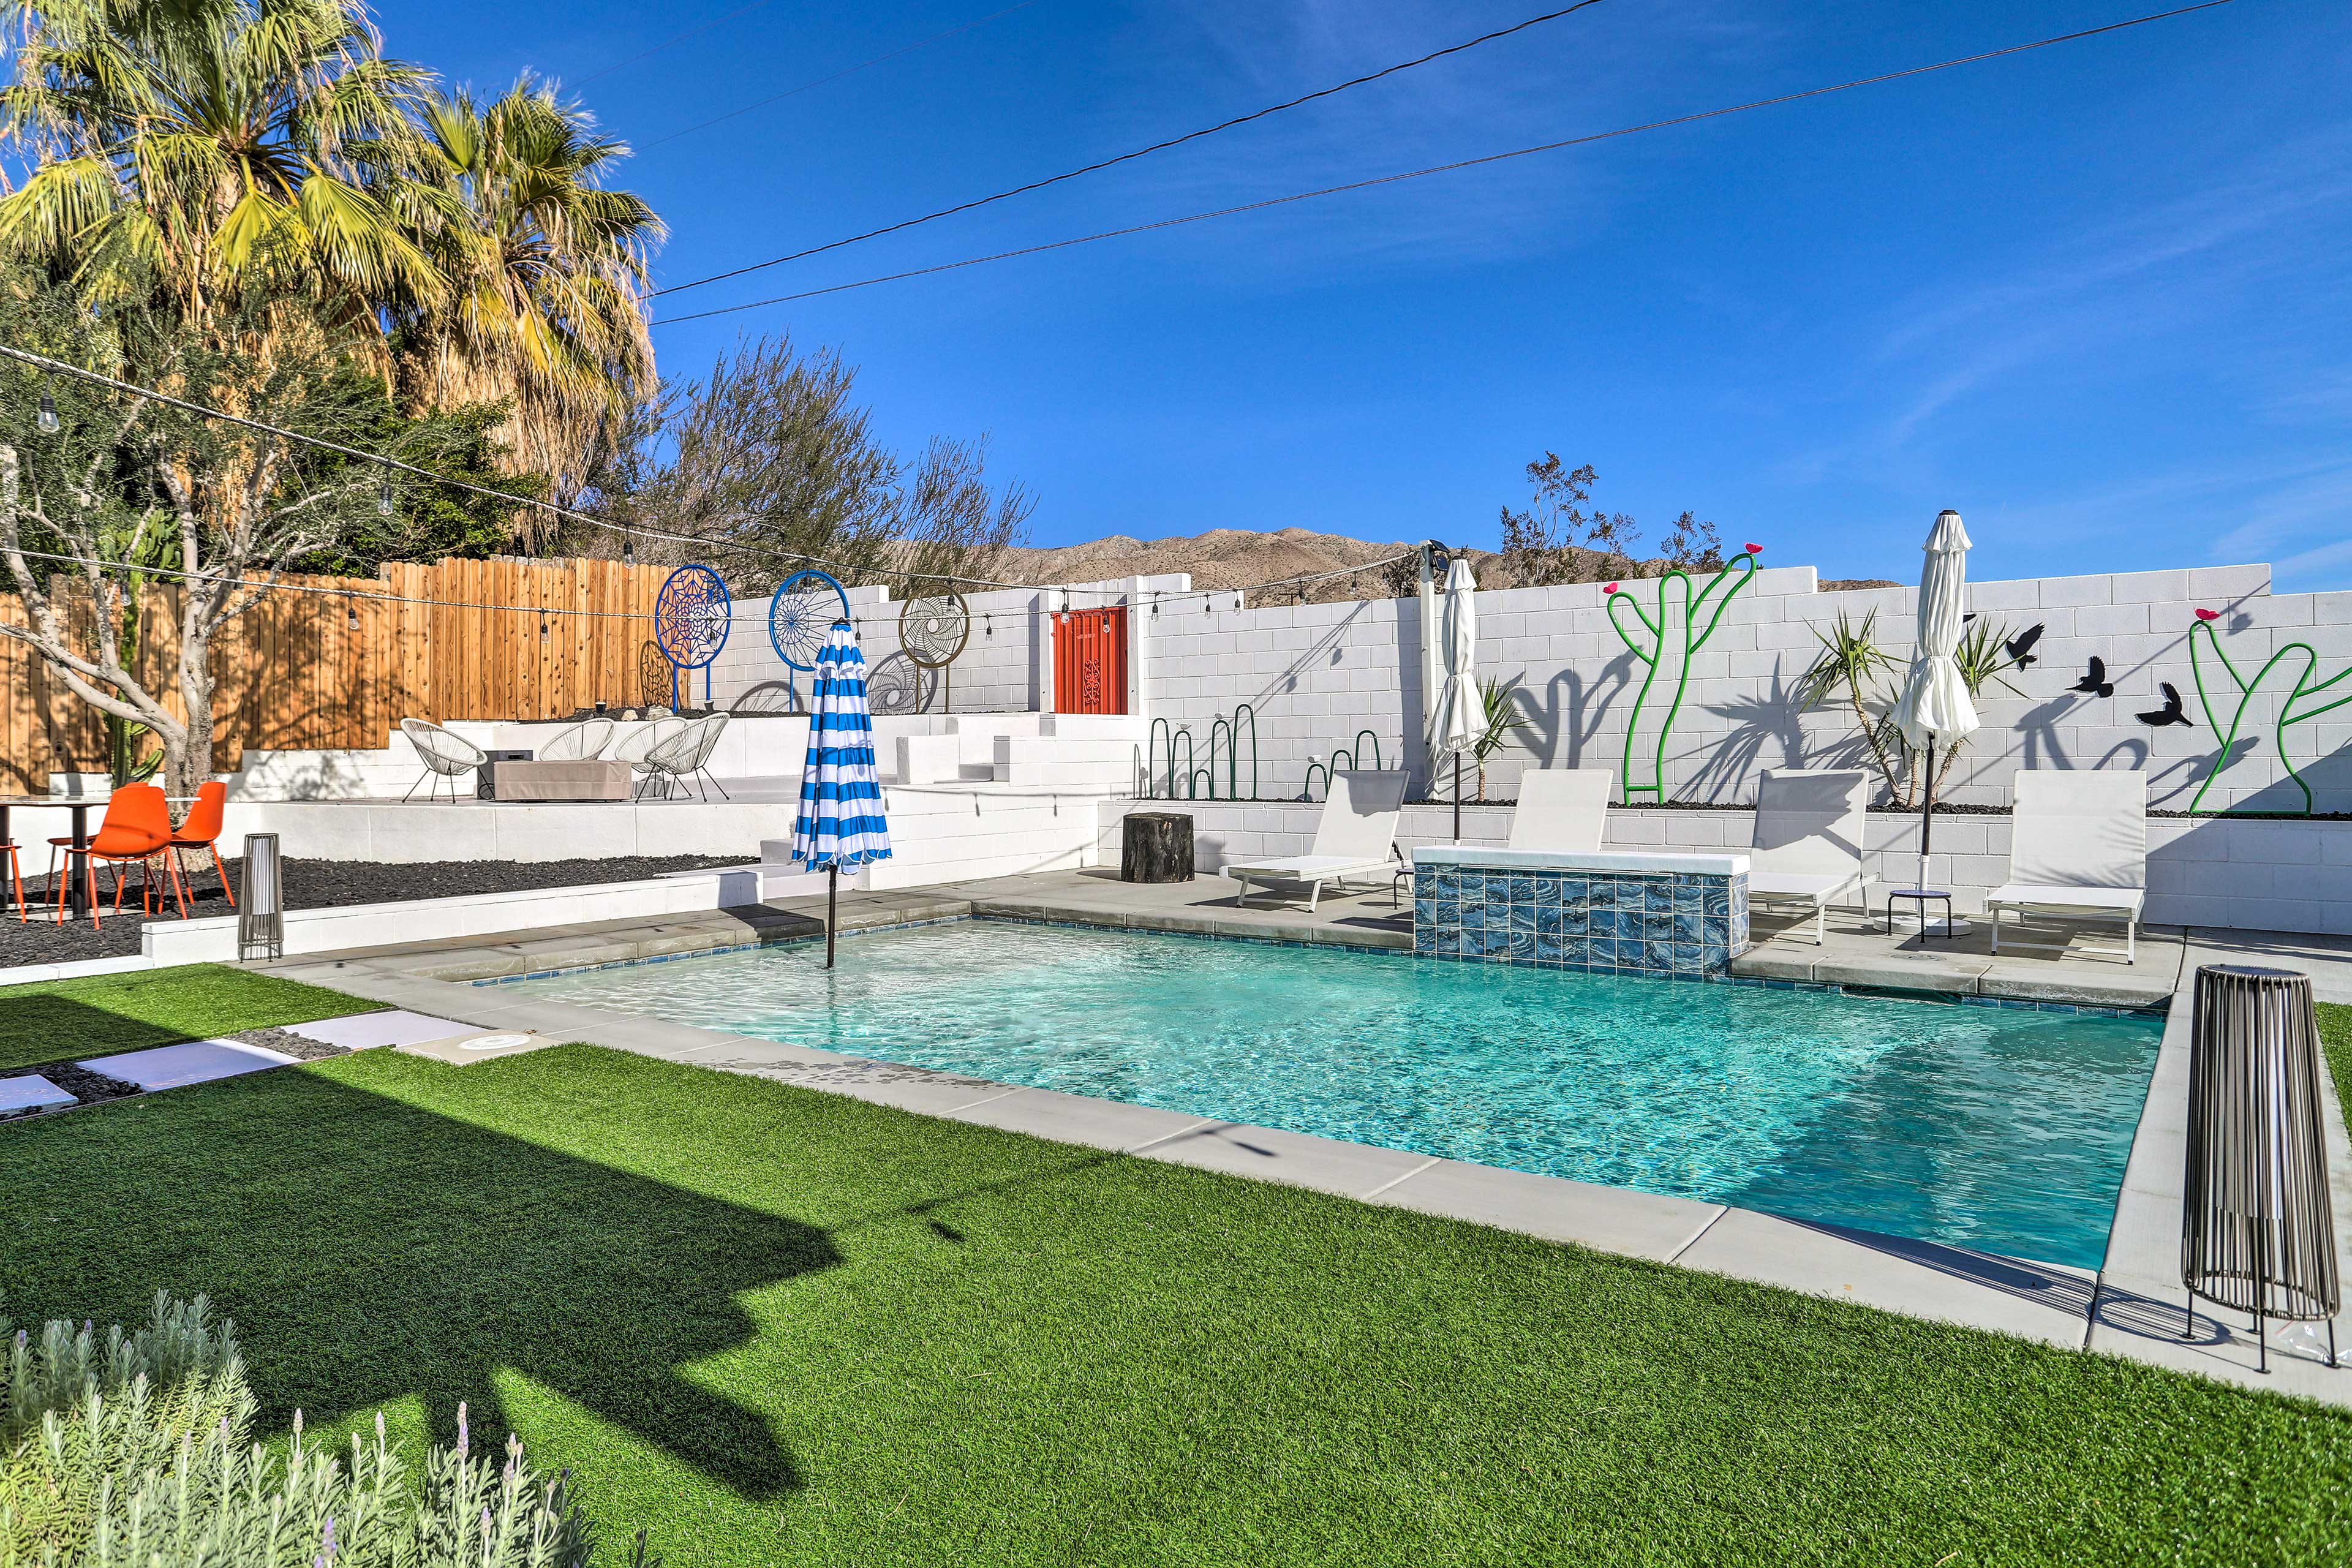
(137, 1449)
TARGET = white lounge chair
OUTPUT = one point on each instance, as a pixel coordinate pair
(1563, 809)
(1353, 841)
(2077, 846)
(1807, 848)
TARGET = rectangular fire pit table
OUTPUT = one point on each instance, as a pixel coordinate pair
(561, 781)
(1681, 917)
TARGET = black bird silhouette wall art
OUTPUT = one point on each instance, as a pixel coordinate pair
(2096, 682)
(2019, 648)
(2170, 713)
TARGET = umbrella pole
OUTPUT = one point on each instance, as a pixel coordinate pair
(1457, 797)
(1927, 834)
(832, 894)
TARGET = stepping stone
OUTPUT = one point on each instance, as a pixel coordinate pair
(480, 1045)
(199, 1061)
(30, 1092)
(364, 1031)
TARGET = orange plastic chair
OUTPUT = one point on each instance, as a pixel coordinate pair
(201, 829)
(137, 825)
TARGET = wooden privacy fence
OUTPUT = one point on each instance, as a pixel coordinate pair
(319, 671)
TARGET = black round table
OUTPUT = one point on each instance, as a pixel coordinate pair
(76, 856)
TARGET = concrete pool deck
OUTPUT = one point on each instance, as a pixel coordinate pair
(2132, 1306)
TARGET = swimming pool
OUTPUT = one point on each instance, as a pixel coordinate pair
(1991, 1128)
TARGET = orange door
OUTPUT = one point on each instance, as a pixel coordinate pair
(1090, 661)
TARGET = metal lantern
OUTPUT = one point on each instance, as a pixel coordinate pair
(261, 915)
(2258, 1235)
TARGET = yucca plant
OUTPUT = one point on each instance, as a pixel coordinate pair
(1498, 702)
(1851, 664)
(1848, 667)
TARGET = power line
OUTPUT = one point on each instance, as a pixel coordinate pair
(1439, 168)
(806, 86)
(773, 556)
(1123, 157)
(279, 585)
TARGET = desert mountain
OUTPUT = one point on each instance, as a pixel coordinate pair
(1236, 558)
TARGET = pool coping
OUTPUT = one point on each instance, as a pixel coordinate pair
(2124, 1309)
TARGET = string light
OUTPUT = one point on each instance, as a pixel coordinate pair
(628, 551)
(352, 615)
(49, 415)
(383, 498)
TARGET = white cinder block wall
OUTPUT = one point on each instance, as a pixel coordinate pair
(1315, 675)
(1006, 664)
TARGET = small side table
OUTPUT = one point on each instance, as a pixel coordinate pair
(1922, 894)
(1156, 846)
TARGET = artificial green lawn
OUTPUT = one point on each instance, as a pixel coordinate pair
(52, 1020)
(783, 1327)
(2335, 1040)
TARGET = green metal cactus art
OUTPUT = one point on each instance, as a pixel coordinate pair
(1727, 583)
(2288, 713)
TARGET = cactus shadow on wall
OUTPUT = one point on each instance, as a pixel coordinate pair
(1568, 716)
(1770, 721)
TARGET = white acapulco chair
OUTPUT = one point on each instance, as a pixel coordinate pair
(632, 741)
(681, 757)
(445, 756)
(583, 743)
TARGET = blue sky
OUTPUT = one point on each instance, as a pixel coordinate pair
(2092, 297)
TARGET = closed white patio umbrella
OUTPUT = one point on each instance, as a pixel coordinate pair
(1461, 716)
(1935, 708)
(841, 820)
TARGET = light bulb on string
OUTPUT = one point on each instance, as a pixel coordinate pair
(628, 549)
(47, 419)
(352, 615)
(383, 498)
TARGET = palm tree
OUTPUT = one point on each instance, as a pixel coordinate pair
(184, 149)
(545, 274)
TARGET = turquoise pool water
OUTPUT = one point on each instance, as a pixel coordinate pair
(2001, 1130)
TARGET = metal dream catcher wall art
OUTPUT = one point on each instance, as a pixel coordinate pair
(932, 630)
(692, 616)
(802, 610)
(897, 684)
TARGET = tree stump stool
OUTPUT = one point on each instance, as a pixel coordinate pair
(1156, 846)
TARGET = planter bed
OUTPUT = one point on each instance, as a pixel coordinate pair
(326, 884)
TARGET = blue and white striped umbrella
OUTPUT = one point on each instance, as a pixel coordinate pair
(841, 822)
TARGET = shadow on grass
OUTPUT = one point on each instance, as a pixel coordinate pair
(99, 1014)
(385, 1250)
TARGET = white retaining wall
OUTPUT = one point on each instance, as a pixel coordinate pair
(2253, 875)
